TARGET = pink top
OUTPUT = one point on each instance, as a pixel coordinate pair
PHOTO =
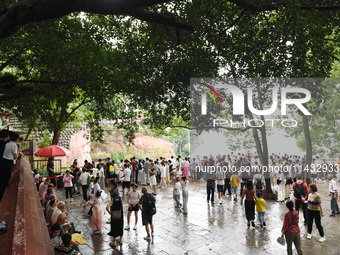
(68, 180)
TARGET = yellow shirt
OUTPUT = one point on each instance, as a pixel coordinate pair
(260, 205)
(234, 180)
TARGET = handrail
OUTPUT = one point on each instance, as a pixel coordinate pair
(20, 207)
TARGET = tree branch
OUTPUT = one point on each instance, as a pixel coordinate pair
(245, 5)
(18, 15)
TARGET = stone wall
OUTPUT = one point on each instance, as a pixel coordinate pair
(75, 138)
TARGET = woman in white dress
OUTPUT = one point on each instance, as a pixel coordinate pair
(281, 187)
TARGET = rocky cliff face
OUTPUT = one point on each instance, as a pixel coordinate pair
(142, 146)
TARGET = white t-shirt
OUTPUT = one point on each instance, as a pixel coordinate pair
(178, 188)
(10, 149)
(36, 178)
(332, 186)
(101, 173)
(127, 173)
(96, 187)
(55, 215)
(163, 172)
(186, 164)
(95, 171)
(184, 185)
(83, 178)
(178, 173)
(133, 196)
(220, 175)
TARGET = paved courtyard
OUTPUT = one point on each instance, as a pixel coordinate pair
(206, 229)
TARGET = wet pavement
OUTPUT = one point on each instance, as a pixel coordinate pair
(206, 229)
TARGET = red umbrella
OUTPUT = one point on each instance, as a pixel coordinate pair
(53, 151)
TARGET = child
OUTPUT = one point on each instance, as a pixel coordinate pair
(234, 182)
(260, 208)
(177, 189)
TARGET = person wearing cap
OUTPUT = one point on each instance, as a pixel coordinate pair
(133, 200)
(300, 190)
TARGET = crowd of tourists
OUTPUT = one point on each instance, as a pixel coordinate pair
(93, 180)
(241, 177)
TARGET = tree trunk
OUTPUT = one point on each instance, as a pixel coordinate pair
(265, 156)
(309, 149)
(258, 143)
(56, 137)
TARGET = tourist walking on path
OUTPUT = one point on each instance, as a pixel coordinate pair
(333, 193)
(102, 175)
(83, 179)
(280, 187)
(141, 177)
(300, 190)
(186, 166)
(146, 171)
(249, 205)
(115, 209)
(259, 182)
(126, 179)
(291, 230)
(97, 223)
(152, 179)
(133, 200)
(211, 183)
(67, 180)
(177, 192)
(185, 193)
(167, 172)
(234, 183)
(147, 204)
(315, 211)
(163, 176)
(260, 208)
(220, 176)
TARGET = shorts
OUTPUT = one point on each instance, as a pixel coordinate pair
(153, 180)
(234, 190)
(133, 208)
(126, 185)
(146, 219)
(134, 175)
(220, 188)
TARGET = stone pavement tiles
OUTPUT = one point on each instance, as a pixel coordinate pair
(206, 229)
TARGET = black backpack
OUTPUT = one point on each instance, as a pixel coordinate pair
(150, 205)
(258, 184)
(299, 190)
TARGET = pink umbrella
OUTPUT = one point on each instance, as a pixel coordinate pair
(53, 151)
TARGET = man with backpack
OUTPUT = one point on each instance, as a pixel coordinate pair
(109, 170)
(259, 182)
(147, 204)
(300, 189)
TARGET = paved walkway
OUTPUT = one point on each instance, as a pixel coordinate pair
(207, 229)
